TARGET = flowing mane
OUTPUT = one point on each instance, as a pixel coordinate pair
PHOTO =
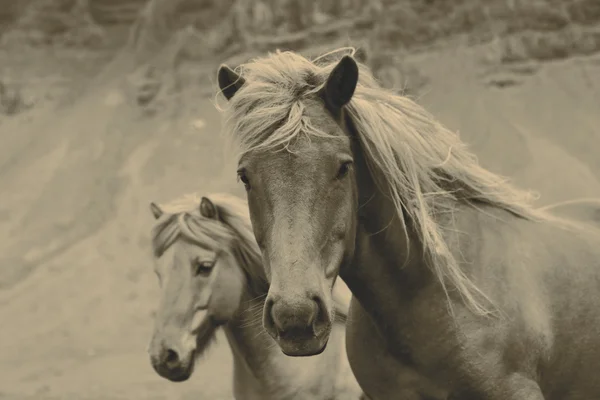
(232, 232)
(424, 167)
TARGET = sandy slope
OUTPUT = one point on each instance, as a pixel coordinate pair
(543, 132)
(76, 288)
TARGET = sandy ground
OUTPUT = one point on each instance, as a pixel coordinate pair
(76, 285)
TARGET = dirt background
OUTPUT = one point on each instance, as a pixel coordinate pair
(107, 105)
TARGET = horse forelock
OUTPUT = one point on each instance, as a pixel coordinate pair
(232, 233)
(269, 111)
(424, 166)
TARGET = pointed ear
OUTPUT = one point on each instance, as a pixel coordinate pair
(340, 85)
(229, 81)
(208, 209)
(156, 211)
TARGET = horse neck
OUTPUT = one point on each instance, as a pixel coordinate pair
(250, 345)
(245, 331)
(388, 268)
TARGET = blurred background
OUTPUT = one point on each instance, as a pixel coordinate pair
(106, 105)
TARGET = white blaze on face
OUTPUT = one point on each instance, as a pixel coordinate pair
(188, 341)
(200, 316)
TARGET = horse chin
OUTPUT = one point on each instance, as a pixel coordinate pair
(179, 374)
(305, 347)
(179, 378)
(182, 377)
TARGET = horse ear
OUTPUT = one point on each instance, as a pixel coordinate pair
(208, 208)
(229, 81)
(341, 83)
(156, 211)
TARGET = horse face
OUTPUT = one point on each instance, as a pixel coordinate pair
(303, 207)
(199, 288)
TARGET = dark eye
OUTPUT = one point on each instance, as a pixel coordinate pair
(242, 177)
(344, 169)
(203, 268)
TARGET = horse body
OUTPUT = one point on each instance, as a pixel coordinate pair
(427, 354)
(227, 294)
(461, 288)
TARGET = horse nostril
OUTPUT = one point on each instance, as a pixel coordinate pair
(171, 358)
(319, 309)
(321, 316)
(268, 317)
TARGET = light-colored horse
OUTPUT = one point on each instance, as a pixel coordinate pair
(210, 273)
(461, 288)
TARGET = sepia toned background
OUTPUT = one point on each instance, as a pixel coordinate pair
(106, 105)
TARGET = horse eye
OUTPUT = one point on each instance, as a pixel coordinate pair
(242, 177)
(203, 268)
(344, 169)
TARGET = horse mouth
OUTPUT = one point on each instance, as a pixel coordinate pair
(302, 344)
(179, 378)
(179, 374)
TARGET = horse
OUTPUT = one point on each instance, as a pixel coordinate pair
(210, 273)
(461, 287)
(586, 210)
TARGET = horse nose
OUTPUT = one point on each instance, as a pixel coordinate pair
(171, 363)
(285, 317)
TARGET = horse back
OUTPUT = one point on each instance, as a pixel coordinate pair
(586, 211)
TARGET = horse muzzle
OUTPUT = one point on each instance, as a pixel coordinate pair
(171, 364)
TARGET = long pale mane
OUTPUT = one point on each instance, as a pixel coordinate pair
(424, 166)
(232, 232)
